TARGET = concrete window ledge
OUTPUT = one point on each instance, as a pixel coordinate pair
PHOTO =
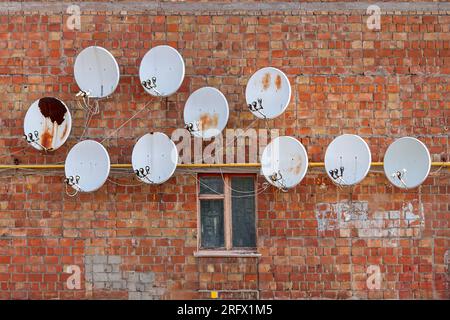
(226, 254)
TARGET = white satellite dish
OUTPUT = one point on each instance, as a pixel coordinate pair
(154, 158)
(96, 72)
(284, 162)
(268, 93)
(87, 166)
(206, 112)
(347, 159)
(407, 163)
(47, 124)
(162, 71)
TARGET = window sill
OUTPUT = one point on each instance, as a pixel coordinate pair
(226, 254)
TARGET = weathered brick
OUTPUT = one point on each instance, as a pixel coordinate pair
(137, 242)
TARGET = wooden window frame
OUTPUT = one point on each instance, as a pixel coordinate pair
(228, 250)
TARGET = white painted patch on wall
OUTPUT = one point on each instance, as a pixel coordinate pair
(346, 216)
(411, 215)
(334, 216)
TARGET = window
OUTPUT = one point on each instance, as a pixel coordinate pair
(227, 210)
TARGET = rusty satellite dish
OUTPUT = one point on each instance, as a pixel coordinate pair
(284, 162)
(154, 158)
(87, 166)
(206, 112)
(268, 93)
(96, 72)
(162, 71)
(47, 124)
(407, 163)
(347, 160)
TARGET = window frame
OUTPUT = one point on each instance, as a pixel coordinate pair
(228, 250)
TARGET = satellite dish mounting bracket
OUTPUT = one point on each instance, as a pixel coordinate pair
(191, 127)
(143, 173)
(150, 84)
(33, 137)
(399, 175)
(338, 175)
(86, 95)
(30, 138)
(277, 177)
(256, 106)
(83, 94)
(72, 181)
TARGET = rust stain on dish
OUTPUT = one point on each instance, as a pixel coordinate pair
(54, 111)
(52, 108)
(297, 165)
(278, 82)
(207, 121)
(46, 139)
(266, 81)
(64, 132)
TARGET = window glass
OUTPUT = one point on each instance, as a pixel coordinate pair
(212, 227)
(243, 212)
(211, 185)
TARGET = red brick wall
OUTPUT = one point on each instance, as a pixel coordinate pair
(139, 241)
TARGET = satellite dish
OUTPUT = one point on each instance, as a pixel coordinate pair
(47, 124)
(284, 162)
(407, 163)
(268, 93)
(154, 158)
(87, 166)
(206, 112)
(96, 72)
(347, 159)
(162, 71)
